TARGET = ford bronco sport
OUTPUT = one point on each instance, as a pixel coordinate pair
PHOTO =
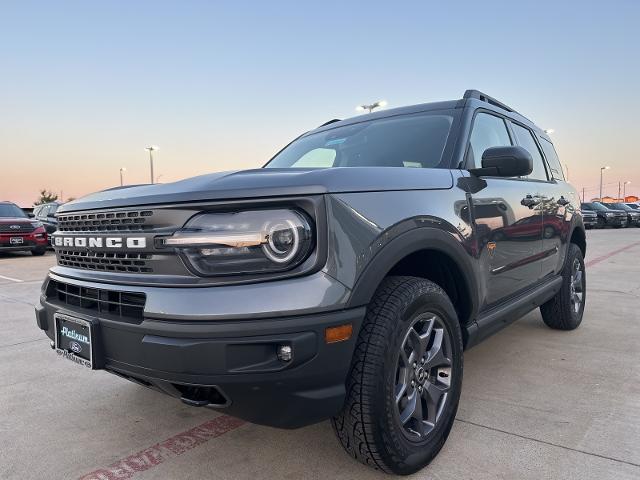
(343, 280)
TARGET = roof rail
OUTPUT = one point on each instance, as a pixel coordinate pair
(483, 97)
(329, 122)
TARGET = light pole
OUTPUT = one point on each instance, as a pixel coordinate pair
(371, 106)
(602, 169)
(151, 149)
(122, 170)
(624, 190)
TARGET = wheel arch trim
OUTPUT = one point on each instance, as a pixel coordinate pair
(400, 247)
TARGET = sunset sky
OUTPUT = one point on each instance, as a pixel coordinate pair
(85, 86)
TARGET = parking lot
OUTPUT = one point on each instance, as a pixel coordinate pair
(536, 403)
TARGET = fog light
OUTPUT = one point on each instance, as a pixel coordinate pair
(285, 353)
(53, 344)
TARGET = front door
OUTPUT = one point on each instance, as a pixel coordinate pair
(508, 219)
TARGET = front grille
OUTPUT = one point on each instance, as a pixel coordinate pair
(106, 261)
(126, 221)
(127, 306)
(23, 227)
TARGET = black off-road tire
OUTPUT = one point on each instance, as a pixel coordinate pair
(368, 426)
(559, 313)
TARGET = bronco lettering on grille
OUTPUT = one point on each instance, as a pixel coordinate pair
(99, 242)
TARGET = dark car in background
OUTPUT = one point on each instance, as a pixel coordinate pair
(633, 215)
(19, 233)
(45, 213)
(589, 218)
(606, 217)
(634, 206)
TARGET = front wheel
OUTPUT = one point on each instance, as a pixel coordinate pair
(564, 311)
(38, 251)
(405, 379)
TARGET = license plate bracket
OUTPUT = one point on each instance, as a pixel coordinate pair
(16, 240)
(75, 339)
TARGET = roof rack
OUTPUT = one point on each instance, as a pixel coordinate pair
(330, 121)
(483, 97)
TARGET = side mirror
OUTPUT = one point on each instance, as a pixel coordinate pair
(508, 161)
(30, 215)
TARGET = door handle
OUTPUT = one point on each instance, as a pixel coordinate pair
(530, 201)
(563, 201)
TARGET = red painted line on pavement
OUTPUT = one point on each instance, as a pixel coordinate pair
(160, 452)
(596, 260)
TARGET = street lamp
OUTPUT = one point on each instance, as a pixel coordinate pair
(122, 170)
(549, 131)
(602, 169)
(372, 106)
(151, 149)
(624, 189)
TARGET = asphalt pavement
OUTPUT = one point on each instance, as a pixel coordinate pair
(536, 403)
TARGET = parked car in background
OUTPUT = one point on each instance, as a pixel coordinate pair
(607, 217)
(589, 218)
(20, 233)
(635, 206)
(633, 215)
(45, 213)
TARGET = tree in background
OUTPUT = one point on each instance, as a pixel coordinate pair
(46, 196)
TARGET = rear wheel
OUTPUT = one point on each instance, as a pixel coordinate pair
(565, 310)
(404, 385)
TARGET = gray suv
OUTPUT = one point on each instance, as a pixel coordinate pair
(343, 280)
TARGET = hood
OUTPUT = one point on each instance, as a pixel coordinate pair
(5, 220)
(266, 182)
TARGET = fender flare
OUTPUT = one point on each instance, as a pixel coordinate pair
(424, 238)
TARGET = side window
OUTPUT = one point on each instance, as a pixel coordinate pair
(43, 211)
(525, 139)
(552, 159)
(488, 131)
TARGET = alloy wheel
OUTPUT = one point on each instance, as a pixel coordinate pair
(576, 287)
(423, 376)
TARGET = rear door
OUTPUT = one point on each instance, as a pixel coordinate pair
(507, 217)
(557, 197)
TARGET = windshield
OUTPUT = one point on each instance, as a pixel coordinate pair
(10, 210)
(412, 141)
(620, 206)
(594, 206)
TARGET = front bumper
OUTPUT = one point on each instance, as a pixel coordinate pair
(633, 220)
(229, 364)
(29, 242)
(616, 221)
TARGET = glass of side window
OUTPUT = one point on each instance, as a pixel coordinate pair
(525, 139)
(488, 131)
(552, 159)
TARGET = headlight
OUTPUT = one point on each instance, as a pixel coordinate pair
(36, 224)
(609, 214)
(256, 241)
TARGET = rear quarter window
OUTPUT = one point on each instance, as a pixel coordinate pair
(552, 159)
